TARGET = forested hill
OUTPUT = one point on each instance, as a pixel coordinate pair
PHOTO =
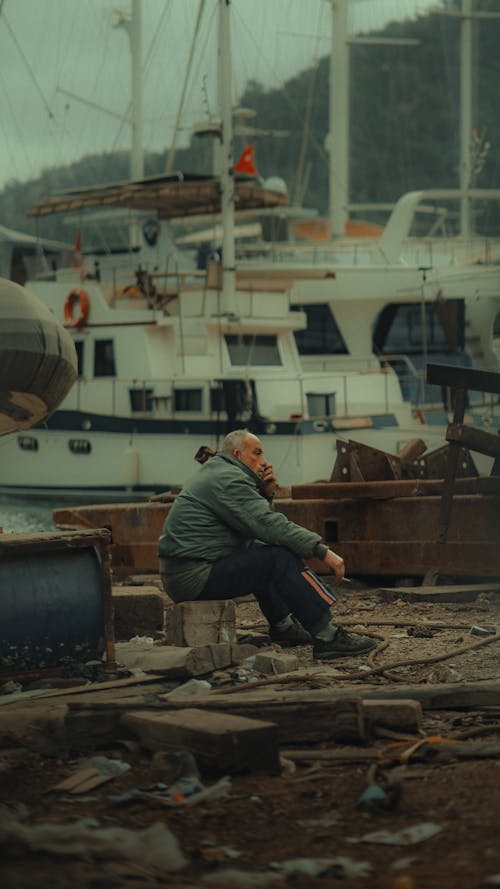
(404, 127)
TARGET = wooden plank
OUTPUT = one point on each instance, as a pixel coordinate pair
(115, 684)
(403, 715)
(82, 781)
(300, 718)
(467, 592)
(219, 741)
(315, 702)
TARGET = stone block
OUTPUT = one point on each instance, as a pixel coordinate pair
(201, 623)
(275, 662)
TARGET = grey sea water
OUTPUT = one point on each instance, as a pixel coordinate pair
(24, 516)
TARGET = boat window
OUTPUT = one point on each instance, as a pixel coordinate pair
(188, 400)
(321, 404)
(400, 328)
(253, 349)
(141, 399)
(104, 358)
(79, 356)
(322, 335)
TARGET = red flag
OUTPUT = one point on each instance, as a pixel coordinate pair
(79, 262)
(245, 163)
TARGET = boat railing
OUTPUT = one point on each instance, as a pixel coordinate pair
(311, 394)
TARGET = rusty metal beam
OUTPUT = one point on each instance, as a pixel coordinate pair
(384, 490)
(463, 378)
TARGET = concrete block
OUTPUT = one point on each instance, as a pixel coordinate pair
(201, 623)
(275, 662)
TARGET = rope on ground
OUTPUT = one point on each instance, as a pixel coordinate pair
(356, 674)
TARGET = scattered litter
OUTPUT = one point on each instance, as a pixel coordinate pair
(185, 792)
(481, 631)
(244, 674)
(142, 643)
(105, 765)
(92, 773)
(155, 846)
(403, 863)
(288, 766)
(341, 866)
(416, 834)
(421, 632)
(311, 823)
(212, 852)
(444, 673)
(239, 879)
(373, 797)
(167, 766)
(10, 687)
(191, 687)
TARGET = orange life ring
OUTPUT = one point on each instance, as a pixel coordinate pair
(82, 298)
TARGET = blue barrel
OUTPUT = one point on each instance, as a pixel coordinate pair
(51, 608)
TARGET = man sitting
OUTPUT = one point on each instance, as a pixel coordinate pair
(222, 539)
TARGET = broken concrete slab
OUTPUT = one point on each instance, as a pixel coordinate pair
(219, 742)
(274, 662)
(172, 661)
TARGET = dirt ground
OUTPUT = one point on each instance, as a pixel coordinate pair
(310, 810)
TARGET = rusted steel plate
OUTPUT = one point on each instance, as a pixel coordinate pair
(473, 518)
(396, 488)
(393, 559)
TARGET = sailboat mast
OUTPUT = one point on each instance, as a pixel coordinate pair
(135, 34)
(226, 154)
(465, 117)
(339, 119)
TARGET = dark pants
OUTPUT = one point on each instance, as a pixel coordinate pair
(277, 578)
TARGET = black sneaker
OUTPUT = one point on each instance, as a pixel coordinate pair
(295, 634)
(342, 645)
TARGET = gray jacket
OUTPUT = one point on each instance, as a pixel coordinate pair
(221, 509)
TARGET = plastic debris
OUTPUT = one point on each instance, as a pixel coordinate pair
(340, 866)
(191, 687)
(185, 792)
(239, 879)
(416, 834)
(480, 631)
(244, 674)
(373, 797)
(155, 846)
(104, 765)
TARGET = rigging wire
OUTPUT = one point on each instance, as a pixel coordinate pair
(28, 68)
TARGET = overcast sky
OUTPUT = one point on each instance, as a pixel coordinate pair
(47, 46)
